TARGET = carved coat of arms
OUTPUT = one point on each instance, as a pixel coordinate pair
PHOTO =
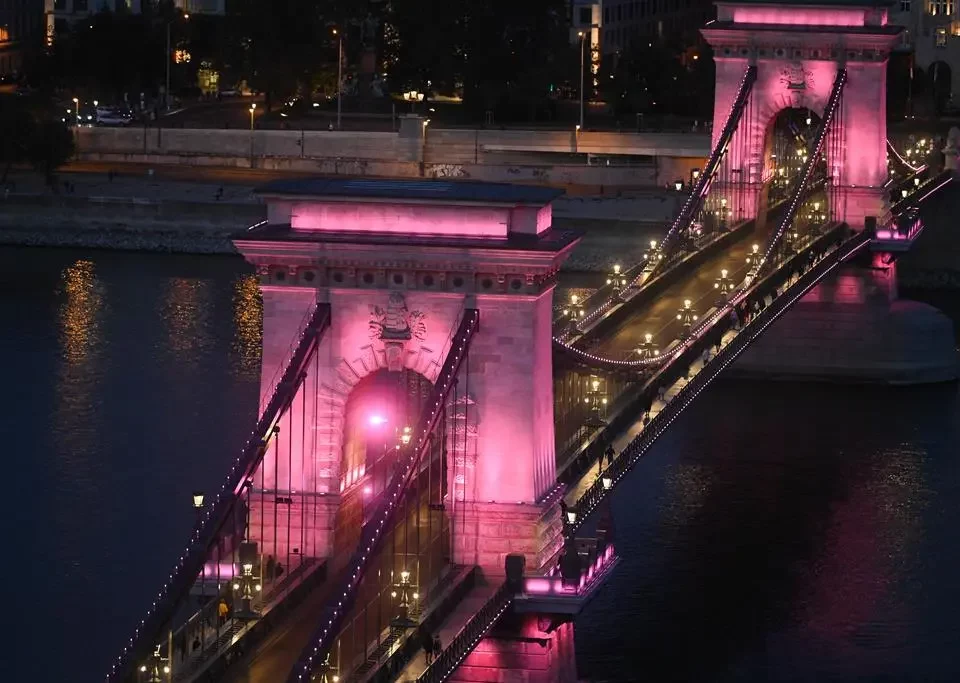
(795, 77)
(396, 322)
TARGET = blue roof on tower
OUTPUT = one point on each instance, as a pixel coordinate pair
(413, 189)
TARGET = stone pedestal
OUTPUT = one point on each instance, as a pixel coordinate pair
(522, 649)
(848, 329)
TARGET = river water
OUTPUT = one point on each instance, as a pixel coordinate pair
(778, 532)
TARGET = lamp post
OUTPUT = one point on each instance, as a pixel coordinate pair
(339, 75)
(575, 311)
(583, 44)
(596, 398)
(406, 595)
(76, 109)
(678, 185)
(687, 317)
(616, 280)
(198, 502)
(166, 93)
(724, 285)
(648, 349)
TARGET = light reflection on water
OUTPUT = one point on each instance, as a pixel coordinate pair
(780, 532)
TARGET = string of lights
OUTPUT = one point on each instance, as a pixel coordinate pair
(374, 529)
(191, 560)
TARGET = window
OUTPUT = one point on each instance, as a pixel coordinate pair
(941, 8)
(904, 5)
(586, 19)
(941, 37)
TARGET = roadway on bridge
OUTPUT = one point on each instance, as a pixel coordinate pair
(659, 317)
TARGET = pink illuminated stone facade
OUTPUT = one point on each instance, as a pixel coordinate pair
(797, 51)
(525, 648)
(502, 459)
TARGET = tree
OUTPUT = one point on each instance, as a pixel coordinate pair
(35, 134)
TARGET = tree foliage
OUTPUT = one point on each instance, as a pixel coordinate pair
(34, 135)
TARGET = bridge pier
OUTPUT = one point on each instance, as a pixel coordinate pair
(852, 327)
(522, 647)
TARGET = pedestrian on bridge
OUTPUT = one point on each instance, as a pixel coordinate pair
(611, 454)
(427, 643)
(437, 648)
(222, 612)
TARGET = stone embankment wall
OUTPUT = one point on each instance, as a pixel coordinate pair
(529, 156)
(157, 215)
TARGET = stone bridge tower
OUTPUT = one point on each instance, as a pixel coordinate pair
(798, 46)
(398, 260)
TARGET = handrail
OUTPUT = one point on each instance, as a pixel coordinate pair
(205, 533)
(813, 159)
(373, 531)
(625, 460)
(700, 190)
(467, 638)
(602, 298)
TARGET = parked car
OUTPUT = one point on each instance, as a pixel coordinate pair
(113, 116)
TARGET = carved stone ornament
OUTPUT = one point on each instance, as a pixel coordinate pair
(795, 77)
(396, 325)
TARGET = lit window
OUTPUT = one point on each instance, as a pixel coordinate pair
(941, 8)
(904, 5)
(941, 37)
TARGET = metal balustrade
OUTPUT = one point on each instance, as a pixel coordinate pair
(207, 532)
(373, 531)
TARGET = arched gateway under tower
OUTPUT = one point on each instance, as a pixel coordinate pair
(398, 262)
(798, 48)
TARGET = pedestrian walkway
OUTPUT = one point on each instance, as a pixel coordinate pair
(452, 625)
(624, 438)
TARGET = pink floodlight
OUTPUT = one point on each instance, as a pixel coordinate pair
(376, 420)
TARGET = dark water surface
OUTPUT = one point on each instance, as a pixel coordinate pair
(779, 532)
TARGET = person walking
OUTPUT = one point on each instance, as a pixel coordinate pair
(271, 567)
(222, 611)
(437, 648)
(427, 647)
(610, 453)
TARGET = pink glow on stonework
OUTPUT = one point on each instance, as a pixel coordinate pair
(801, 16)
(224, 571)
(377, 420)
(409, 219)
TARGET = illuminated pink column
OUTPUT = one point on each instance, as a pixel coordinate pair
(511, 380)
(864, 166)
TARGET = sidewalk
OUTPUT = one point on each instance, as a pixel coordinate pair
(468, 607)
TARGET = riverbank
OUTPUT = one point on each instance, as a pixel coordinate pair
(154, 212)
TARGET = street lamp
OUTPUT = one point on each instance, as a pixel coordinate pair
(339, 74)
(678, 184)
(647, 348)
(616, 280)
(687, 317)
(694, 176)
(76, 108)
(169, 58)
(253, 109)
(583, 43)
(198, 500)
(724, 285)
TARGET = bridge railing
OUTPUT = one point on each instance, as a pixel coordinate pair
(206, 534)
(628, 457)
(666, 255)
(344, 590)
(466, 640)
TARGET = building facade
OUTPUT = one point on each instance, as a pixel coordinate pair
(20, 32)
(932, 34)
(616, 25)
(60, 14)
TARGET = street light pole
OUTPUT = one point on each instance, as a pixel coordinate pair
(166, 93)
(339, 75)
(583, 42)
